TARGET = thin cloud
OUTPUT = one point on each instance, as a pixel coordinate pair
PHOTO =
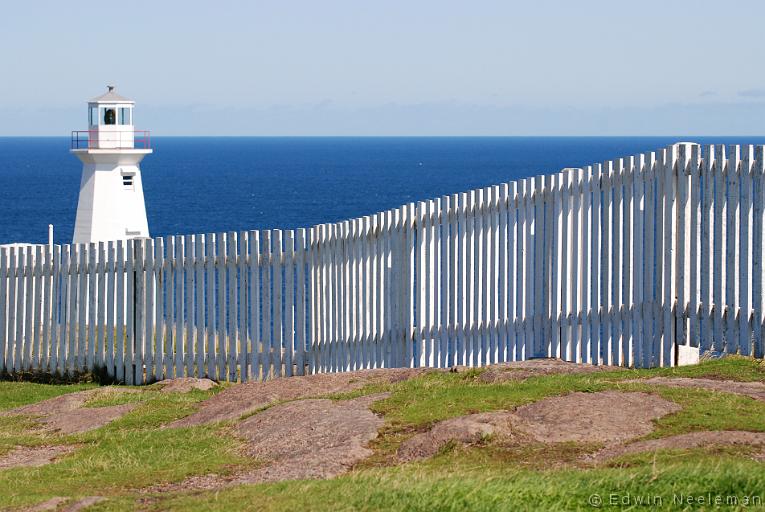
(753, 93)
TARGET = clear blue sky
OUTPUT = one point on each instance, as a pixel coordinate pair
(388, 67)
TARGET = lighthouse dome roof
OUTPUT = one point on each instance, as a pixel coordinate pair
(110, 96)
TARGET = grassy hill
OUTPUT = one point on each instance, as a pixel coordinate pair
(126, 461)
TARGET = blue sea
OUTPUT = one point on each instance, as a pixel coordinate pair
(213, 184)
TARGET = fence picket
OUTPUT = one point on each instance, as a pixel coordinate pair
(171, 336)
(254, 314)
(28, 307)
(719, 242)
(501, 320)
(149, 335)
(289, 302)
(562, 284)
(121, 290)
(474, 276)
(139, 311)
(179, 352)
(521, 265)
(378, 288)
(161, 287)
(706, 246)
(388, 277)
(490, 273)
(513, 276)
(13, 333)
(130, 298)
(221, 347)
(82, 307)
(744, 261)
(211, 246)
(201, 359)
(300, 306)
(758, 189)
(242, 346)
(231, 285)
(585, 228)
(638, 260)
(462, 281)
(5, 306)
(100, 348)
(483, 230)
(606, 276)
(731, 252)
(692, 255)
(406, 288)
(52, 289)
(267, 356)
(452, 242)
(617, 285)
(187, 304)
(574, 276)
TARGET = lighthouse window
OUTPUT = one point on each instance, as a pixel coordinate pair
(124, 117)
(93, 116)
(110, 116)
(127, 181)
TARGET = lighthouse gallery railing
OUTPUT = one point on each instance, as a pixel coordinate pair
(102, 139)
(622, 263)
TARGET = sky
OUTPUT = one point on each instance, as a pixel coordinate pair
(427, 67)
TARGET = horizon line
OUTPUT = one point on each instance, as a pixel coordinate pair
(420, 136)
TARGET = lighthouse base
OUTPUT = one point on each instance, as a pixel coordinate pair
(111, 204)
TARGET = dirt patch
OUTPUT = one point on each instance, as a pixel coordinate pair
(87, 418)
(56, 503)
(607, 416)
(464, 430)
(754, 390)
(521, 370)
(185, 384)
(683, 441)
(81, 504)
(312, 438)
(243, 399)
(33, 456)
(67, 402)
(56, 405)
(45, 506)
(67, 414)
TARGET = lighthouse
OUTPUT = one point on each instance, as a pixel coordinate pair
(111, 204)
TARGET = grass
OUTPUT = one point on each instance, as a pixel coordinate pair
(440, 395)
(125, 455)
(135, 452)
(475, 480)
(16, 394)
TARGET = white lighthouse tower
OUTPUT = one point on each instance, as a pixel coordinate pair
(111, 204)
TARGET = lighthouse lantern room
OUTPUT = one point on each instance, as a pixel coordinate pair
(111, 204)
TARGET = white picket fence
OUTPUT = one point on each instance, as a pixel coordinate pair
(620, 263)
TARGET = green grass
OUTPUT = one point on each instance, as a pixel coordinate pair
(135, 452)
(476, 480)
(16, 394)
(439, 395)
(127, 454)
(705, 410)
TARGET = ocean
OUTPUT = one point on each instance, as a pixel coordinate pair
(214, 184)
